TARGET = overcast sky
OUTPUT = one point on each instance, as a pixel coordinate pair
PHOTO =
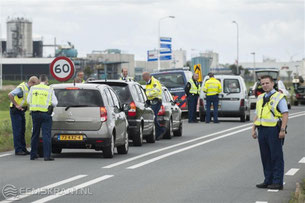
(270, 28)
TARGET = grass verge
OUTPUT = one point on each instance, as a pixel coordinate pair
(299, 195)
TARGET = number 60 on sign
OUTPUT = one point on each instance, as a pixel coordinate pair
(62, 68)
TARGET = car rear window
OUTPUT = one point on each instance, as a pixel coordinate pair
(273, 74)
(301, 90)
(123, 92)
(73, 97)
(171, 80)
(231, 86)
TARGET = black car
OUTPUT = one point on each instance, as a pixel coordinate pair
(300, 95)
(140, 116)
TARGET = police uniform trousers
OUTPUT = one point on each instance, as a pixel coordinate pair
(192, 100)
(271, 151)
(18, 125)
(156, 107)
(43, 121)
(213, 99)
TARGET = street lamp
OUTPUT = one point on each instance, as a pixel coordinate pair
(159, 46)
(237, 60)
(253, 53)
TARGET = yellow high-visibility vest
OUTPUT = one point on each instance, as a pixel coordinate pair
(128, 79)
(22, 101)
(194, 89)
(41, 97)
(154, 89)
(264, 114)
(212, 87)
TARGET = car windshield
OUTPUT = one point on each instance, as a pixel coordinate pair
(273, 74)
(123, 93)
(78, 98)
(171, 80)
(231, 86)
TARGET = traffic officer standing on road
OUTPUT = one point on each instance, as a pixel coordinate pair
(125, 75)
(42, 100)
(80, 76)
(154, 95)
(271, 120)
(212, 88)
(18, 107)
(192, 90)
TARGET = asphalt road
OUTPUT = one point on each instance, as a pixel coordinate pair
(209, 163)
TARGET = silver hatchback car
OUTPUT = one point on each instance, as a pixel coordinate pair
(88, 116)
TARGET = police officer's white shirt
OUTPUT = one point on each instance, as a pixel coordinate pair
(54, 100)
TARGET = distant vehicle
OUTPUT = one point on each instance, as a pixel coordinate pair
(300, 95)
(88, 116)
(233, 100)
(278, 85)
(175, 80)
(169, 115)
(140, 117)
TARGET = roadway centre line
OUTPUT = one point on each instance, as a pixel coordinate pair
(73, 189)
(3, 155)
(292, 172)
(192, 146)
(176, 145)
(172, 146)
(43, 189)
(302, 161)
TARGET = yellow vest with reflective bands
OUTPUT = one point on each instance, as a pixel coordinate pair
(128, 79)
(154, 89)
(194, 89)
(41, 98)
(212, 87)
(23, 100)
(264, 114)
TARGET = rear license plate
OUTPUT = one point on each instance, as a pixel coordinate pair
(70, 137)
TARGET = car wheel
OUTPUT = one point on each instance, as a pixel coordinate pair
(243, 118)
(169, 130)
(296, 103)
(40, 150)
(108, 151)
(56, 150)
(178, 133)
(248, 117)
(152, 137)
(123, 149)
(138, 138)
(289, 106)
(202, 117)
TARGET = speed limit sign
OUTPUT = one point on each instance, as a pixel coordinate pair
(62, 68)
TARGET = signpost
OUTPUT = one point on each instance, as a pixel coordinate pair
(62, 68)
(197, 69)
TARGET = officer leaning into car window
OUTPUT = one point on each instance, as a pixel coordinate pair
(192, 90)
(212, 88)
(125, 76)
(18, 108)
(42, 100)
(271, 121)
(154, 96)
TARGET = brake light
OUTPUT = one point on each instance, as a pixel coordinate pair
(72, 88)
(242, 102)
(103, 113)
(133, 109)
(161, 111)
(297, 96)
(201, 103)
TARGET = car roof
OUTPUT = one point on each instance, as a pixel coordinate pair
(77, 85)
(267, 70)
(170, 71)
(111, 81)
(225, 76)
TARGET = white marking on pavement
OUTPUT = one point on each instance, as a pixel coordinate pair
(261, 202)
(195, 145)
(292, 171)
(186, 148)
(3, 155)
(302, 161)
(73, 189)
(172, 146)
(272, 190)
(43, 189)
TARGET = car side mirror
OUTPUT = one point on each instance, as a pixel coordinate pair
(250, 92)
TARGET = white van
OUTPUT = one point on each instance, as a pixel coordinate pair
(233, 100)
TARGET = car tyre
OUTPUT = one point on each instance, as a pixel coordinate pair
(243, 117)
(138, 138)
(296, 103)
(178, 133)
(169, 131)
(202, 117)
(289, 106)
(40, 150)
(123, 149)
(152, 137)
(108, 151)
(56, 150)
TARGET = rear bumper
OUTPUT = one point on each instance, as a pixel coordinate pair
(225, 113)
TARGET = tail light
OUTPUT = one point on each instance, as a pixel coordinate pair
(242, 102)
(103, 113)
(133, 109)
(201, 103)
(297, 96)
(161, 111)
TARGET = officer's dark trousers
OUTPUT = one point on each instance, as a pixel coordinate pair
(18, 125)
(159, 130)
(271, 154)
(43, 121)
(212, 100)
(192, 107)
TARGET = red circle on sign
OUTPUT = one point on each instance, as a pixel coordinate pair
(71, 66)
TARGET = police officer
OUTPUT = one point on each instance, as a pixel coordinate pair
(125, 75)
(154, 95)
(41, 99)
(80, 76)
(18, 108)
(271, 120)
(192, 90)
(212, 88)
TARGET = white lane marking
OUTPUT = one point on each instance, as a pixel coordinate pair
(73, 189)
(272, 190)
(302, 161)
(261, 202)
(3, 155)
(292, 171)
(192, 146)
(184, 149)
(172, 146)
(43, 189)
